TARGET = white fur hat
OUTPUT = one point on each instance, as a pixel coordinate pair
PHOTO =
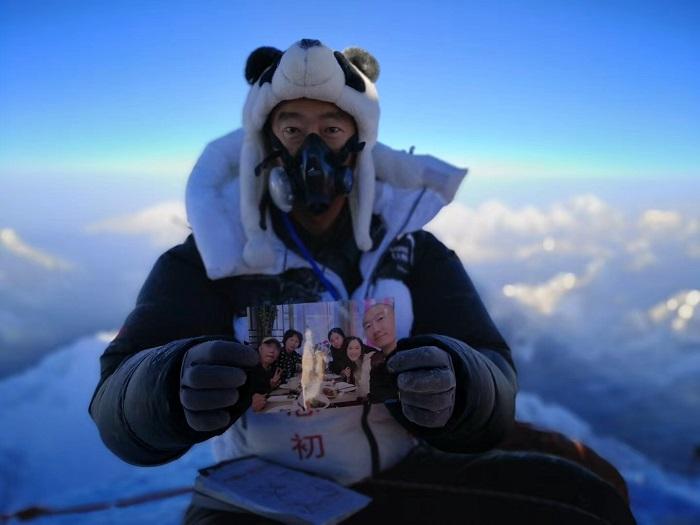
(308, 69)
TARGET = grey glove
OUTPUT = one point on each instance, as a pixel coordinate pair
(210, 377)
(426, 382)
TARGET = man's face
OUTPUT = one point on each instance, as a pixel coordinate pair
(291, 122)
(268, 353)
(379, 326)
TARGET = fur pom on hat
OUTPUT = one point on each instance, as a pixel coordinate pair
(308, 69)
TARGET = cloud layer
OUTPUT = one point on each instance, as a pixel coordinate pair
(600, 308)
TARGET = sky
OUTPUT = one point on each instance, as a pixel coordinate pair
(134, 90)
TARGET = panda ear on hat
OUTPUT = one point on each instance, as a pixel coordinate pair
(364, 61)
(259, 60)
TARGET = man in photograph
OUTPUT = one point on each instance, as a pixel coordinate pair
(380, 327)
(303, 205)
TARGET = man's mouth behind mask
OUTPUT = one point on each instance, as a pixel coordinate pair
(312, 178)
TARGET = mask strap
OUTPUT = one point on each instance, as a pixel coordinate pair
(264, 205)
(351, 146)
(305, 252)
(272, 156)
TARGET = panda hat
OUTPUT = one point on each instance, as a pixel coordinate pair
(308, 69)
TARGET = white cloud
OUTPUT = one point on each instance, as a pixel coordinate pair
(545, 297)
(494, 231)
(660, 220)
(10, 241)
(680, 313)
(583, 227)
(541, 258)
(641, 253)
(164, 223)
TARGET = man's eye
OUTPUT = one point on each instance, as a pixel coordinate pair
(290, 131)
(333, 130)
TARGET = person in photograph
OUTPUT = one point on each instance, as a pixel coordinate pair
(379, 325)
(290, 359)
(336, 339)
(359, 359)
(266, 376)
(304, 205)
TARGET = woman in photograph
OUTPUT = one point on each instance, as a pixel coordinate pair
(358, 357)
(290, 360)
(336, 338)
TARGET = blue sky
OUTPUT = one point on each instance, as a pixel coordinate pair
(510, 89)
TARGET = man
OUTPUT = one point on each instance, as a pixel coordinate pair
(266, 376)
(304, 206)
(380, 327)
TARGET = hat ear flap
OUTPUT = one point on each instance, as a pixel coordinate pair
(363, 61)
(259, 60)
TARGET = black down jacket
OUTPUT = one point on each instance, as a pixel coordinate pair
(136, 403)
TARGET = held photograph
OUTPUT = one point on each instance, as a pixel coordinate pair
(321, 355)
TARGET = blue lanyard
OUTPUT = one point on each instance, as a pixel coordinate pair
(305, 252)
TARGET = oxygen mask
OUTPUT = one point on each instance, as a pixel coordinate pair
(313, 177)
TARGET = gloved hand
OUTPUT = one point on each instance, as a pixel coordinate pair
(210, 377)
(426, 382)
